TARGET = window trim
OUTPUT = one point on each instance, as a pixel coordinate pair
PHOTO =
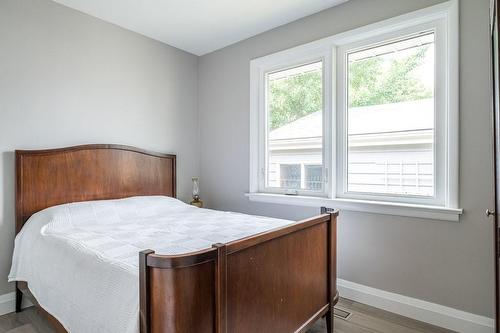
(366, 206)
(448, 206)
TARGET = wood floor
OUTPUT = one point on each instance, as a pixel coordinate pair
(362, 319)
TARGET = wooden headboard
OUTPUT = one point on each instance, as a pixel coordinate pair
(51, 177)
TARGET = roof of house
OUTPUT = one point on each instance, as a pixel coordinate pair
(404, 116)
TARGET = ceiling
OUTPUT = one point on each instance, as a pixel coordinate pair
(199, 26)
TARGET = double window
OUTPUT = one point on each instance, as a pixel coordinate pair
(367, 115)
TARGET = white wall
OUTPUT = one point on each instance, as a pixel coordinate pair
(67, 78)
(447, 263)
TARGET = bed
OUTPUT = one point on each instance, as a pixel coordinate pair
(97, 215)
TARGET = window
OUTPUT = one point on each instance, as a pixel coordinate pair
(313, 177)
(390, 118)
(294, 118)
(297, 176)
(290, 176)
(367, 116)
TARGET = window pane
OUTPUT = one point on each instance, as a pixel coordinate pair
(314, 177)
(290, 176)
(391, 118)
(294, 102)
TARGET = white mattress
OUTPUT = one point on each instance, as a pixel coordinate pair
(81, 259)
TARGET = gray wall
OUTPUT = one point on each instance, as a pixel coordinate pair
(67, 78)
(443, 262)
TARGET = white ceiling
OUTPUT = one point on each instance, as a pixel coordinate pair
(199, 26)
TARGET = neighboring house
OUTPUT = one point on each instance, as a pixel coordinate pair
(384, 157)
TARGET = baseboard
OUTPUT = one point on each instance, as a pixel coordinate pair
(417, 309)
(428, 312)
(8, 303)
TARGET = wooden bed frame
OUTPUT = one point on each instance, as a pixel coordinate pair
(279, 281)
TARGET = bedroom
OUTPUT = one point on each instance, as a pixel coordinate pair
(413, 258)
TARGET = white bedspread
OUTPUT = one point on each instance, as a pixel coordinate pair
(81, 259)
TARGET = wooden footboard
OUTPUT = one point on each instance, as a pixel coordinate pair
(280, 281)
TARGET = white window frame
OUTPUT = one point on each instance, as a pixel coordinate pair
(443, 20)
(440, 111)
(260, 69)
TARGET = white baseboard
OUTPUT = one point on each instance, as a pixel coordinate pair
(8, 303)
(428, 312)
(417, 309)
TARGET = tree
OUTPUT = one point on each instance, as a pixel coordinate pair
(371, 82)
(294, 97)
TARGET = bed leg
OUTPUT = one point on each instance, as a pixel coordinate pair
(330, 326)
(19, 298)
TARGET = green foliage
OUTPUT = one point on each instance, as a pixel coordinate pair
(371, 82)
(294, 97)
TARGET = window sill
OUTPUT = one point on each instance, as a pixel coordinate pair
(387, 208)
